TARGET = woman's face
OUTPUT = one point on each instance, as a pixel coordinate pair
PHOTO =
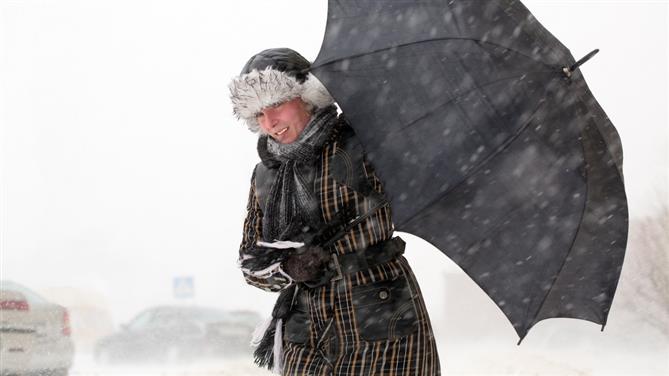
(285, 122)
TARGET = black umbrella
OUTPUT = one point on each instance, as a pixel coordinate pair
(490, 146)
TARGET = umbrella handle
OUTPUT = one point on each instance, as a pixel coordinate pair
(568, 70)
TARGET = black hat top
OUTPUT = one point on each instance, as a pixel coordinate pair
(281, 59)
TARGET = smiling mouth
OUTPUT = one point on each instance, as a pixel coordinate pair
(279, 133)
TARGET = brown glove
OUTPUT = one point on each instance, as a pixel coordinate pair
(306, 263)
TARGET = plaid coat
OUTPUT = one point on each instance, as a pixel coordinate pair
(373, 322)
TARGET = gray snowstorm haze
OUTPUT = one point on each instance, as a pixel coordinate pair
(124, 179)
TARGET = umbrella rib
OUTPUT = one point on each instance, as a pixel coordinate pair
(475, 168)
(507, 214)
(478, 87)
(564, 261)
(330, 62)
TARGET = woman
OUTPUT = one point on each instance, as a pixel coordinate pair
(349, 302)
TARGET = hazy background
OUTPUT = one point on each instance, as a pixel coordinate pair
(123, 168)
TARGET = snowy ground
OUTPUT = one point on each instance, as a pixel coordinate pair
(578, 361)
(561, 347)
(475, 358)
(85, 366)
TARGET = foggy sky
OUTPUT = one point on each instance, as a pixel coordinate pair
(122, 166)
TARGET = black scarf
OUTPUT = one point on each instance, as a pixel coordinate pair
(291, 205)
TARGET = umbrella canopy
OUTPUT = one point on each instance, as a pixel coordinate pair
(489, 146)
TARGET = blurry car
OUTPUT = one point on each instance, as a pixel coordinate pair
(34, 333)
(233, 333)
(175, 334)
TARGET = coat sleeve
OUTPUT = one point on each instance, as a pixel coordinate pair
(271, 278)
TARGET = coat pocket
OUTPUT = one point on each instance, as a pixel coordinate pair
(384, 309)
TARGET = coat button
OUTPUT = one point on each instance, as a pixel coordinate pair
(383, 294)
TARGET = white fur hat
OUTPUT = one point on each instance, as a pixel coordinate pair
(272, 77)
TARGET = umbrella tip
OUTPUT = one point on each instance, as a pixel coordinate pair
(569, 70)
